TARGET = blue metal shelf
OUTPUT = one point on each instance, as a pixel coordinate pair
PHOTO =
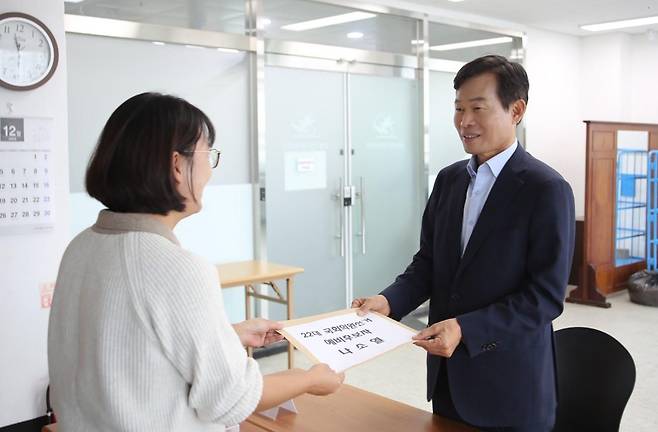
(631, 206)
(627, 205)
(652, 209)
(630, 231)
(627, 237)
(627, 261)
(625, 176)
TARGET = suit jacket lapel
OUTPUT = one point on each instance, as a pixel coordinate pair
(456, 211)
(493, 213)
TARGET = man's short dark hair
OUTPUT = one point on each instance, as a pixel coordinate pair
(130, 170)
(511, 77)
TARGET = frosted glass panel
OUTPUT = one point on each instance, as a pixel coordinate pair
(445, 145)
(379, 32)
(446, 43)
(225, 16)
(387, 169)
(304, 138)
(103, 72)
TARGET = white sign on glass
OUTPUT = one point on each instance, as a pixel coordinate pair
(305, 170)
(343, 339)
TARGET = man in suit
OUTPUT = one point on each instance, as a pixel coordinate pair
(495, 252)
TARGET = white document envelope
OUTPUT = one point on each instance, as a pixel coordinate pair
(343, 339)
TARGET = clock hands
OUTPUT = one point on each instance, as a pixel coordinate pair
(18, 50)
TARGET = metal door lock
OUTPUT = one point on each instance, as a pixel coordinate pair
(348, 193)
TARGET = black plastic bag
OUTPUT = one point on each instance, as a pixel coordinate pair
(643, 288)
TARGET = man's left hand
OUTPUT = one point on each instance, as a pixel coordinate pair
(440, 339)
(258, 332)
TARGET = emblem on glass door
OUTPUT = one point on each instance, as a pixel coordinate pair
(305, 127)
(384, 127)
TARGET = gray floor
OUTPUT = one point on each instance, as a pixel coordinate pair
(633, 325)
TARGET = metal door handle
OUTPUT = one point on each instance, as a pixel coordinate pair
(338, 196)
(363, 216)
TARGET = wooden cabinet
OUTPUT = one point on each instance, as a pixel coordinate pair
(597, 273)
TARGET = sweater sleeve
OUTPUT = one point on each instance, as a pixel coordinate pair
(181, 303)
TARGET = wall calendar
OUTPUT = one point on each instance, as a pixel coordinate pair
(26, 188)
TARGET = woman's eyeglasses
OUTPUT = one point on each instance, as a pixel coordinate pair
(213, 156)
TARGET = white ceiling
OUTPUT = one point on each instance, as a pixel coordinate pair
(564, 16)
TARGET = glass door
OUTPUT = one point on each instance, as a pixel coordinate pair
(305, 162)
(344, 181)
(445, 146)
(387, 171)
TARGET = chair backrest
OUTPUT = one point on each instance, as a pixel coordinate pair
(596, 375)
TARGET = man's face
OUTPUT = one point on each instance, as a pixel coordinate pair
(484, 126)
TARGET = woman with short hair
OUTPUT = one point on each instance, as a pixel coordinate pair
(138, 336)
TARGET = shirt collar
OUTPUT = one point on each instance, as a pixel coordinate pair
(495, 164)
(110, 222)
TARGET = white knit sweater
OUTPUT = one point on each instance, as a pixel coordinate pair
(138, 337)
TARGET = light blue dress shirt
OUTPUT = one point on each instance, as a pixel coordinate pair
(482, 180)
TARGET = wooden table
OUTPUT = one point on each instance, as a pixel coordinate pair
(349, 409)
(353, 409)
(251, 273)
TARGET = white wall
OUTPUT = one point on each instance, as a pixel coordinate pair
(642, 82)
(605, 77)
(554, 129)
(610, 77)
(32, 259)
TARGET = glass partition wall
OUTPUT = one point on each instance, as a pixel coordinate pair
(343, 151)
(333, 119)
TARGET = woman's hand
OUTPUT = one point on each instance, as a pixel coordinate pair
(324, 380)
(258, 332)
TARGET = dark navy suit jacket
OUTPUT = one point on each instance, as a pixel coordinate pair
(505, 290)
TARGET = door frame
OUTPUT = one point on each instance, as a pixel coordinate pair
(347, 69)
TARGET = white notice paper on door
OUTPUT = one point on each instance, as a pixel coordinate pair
(305, 170)
(343, 339)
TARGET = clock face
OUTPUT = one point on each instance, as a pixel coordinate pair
(28, 54)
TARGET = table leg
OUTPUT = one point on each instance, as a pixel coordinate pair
(289, 309)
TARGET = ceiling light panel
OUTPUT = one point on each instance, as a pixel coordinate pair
(472, 44)
(329, 21)
(355, 35)
(615, 25)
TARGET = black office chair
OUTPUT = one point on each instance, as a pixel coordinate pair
(596, 375)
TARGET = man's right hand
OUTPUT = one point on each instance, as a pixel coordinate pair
(377, 303)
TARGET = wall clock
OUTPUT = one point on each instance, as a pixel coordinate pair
(28, 52)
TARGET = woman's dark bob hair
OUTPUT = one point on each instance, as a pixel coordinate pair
(130, 169)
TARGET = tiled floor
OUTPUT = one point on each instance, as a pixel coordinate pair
(400, 375)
